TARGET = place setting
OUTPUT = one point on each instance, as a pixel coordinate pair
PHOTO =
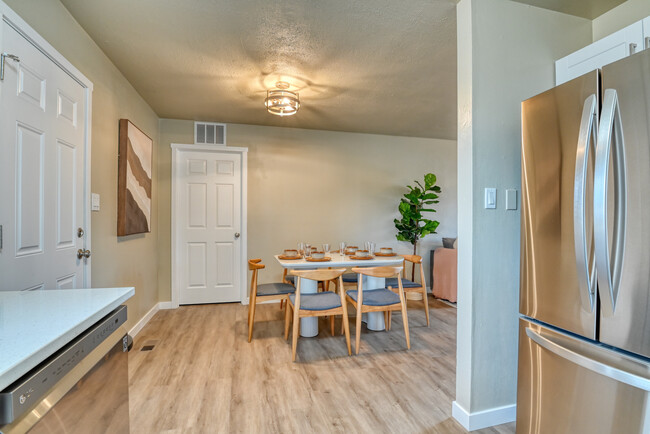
(290, 255)
(307, 252)
(385, 252)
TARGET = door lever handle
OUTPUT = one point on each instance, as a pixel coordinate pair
(3, 56)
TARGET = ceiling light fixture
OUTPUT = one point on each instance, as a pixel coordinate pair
(280, 101)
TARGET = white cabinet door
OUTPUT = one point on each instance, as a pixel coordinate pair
(602, 52)
(42, 138)
(208, 226)
(646, 33)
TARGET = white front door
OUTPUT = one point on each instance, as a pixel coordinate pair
(42, 176)
(208, 210)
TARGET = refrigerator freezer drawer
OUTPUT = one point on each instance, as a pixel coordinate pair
(567, 385)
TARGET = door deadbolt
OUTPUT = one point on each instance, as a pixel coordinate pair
(80, 233)
(237, 234)
(81, 253)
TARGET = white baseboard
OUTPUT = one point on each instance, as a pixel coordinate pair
(164, 305)
(485, 418)
(145, 319)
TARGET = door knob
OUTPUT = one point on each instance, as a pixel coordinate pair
(81, 253)
(237, 234)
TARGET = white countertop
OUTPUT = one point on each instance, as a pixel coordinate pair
(35, 324)
(339, 260)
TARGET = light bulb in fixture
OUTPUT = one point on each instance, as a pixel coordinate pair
(280, 101)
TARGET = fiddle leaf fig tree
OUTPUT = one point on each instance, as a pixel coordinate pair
(420, 199)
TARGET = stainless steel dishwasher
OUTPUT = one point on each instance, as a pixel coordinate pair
(82, 388)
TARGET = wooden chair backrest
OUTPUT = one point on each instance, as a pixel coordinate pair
(415, 260)
(320, 275)
(255, 264)
(378, 271)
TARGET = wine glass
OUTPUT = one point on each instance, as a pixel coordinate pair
(301, 248)
(342, 245)
(307, 250)
(326, 248)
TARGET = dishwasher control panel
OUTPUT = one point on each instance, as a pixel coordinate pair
(26, 391)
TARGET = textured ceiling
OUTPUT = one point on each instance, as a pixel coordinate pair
(381, 66)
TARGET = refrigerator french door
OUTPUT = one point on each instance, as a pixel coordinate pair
(584, 349)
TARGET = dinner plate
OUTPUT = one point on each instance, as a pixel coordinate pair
(385, 254)
(289, 258)
(363, 258)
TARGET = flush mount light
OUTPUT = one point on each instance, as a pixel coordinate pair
(280, 101)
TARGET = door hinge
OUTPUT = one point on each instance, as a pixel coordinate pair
(0, 237)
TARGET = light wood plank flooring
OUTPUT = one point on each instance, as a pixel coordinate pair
(203, 377)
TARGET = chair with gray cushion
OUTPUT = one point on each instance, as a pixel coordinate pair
(378, 299)
(325, 303)
(413, 286)
(263, 292)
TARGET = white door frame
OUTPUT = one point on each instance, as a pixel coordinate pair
(177, 148)
(12, 19)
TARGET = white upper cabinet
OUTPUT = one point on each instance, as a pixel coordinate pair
(602, 52)
(646, 33)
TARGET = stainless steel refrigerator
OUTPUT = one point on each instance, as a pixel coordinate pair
(584, 328)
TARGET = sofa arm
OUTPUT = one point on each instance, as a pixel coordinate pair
(445, 275)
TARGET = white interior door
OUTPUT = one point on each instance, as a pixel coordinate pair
(42, 176)
(208, 226)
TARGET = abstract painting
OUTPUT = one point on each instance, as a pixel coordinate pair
(133, 181)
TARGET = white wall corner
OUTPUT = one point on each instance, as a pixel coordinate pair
(164, 305)
(485, 418)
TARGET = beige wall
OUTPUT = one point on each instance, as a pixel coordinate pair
(506, 54)
(305, 185)
(128, 261)
(621, 16)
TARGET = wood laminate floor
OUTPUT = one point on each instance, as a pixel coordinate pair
(204, 377)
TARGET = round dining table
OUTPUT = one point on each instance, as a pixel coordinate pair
(375, 320)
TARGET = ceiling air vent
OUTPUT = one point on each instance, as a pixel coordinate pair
(209, 133)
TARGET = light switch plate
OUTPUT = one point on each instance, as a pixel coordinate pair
(94, 202)
(490, 198)
(511, 199)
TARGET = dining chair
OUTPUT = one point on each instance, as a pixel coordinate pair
(325, 303)
(412, 286)
(263, 292)
(378, 299)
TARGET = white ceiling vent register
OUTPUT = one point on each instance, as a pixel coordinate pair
(209, 133)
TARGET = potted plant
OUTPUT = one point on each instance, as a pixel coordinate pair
(413, 225)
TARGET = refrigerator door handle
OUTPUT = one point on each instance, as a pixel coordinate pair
(587, 362)
(609, 262)
(585, 261)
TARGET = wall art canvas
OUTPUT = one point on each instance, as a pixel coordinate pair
(134, 180)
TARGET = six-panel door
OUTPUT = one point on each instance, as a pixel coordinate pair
(208, 211)
(41, 171)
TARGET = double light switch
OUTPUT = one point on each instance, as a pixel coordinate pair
(491, 198)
